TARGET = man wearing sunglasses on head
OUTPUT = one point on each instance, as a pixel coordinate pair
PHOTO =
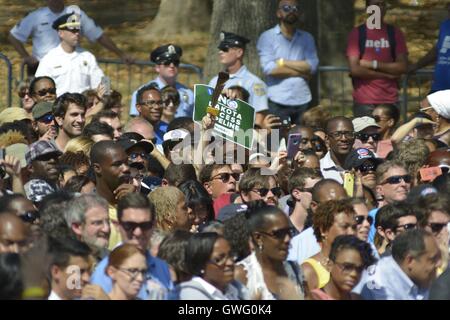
(231, 56)
(73, 69)
(44, 121)
(393, 185)
(167, 61)
(367, 133)
(288, 58)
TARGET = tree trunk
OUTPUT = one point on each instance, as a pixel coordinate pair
(179, 17)
(248, 18)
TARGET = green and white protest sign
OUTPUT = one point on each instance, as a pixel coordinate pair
(235, 119)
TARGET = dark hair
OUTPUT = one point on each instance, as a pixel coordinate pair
(388, 215)
(6, 201)
(62, 249)
(97, 127)
(74, 159)
(409, 242)
(427, 204)
(76, 183)
(109, 114)
(11, 284)
(297, 179)
(245, 94)
(177, 174)
(344, 242)
(135, 201)
(336, 119)
(196, 196)
(180, 123)
(171, 93)
(100, 149)
(323, 218)
(257, 213)
(253, 178)
(37, 79)
(236, 231)
(391, 111)
(155, 167)
(112, 100)
(62, 103)
(200, 246)
(207, 170)
(140, 92)
(173, 250)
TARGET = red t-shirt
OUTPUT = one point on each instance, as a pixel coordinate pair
(376, 91)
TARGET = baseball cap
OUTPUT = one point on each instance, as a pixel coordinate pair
(175, 135)
(231, 211)
(40, 148)
(127, 144)
(13, 114)
(358, 156)
(362, 123)
(41, 109)
(37, 189)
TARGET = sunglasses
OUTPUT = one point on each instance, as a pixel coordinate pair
(29, 216)
(379, 119)
(398, 179)
(175, 101)
(367, 167)
(288, 8)
(225, 177)
(220, 262)
(23, 94)
(48, 118)
(44, 92)
(349, 268)
(407, 226)
(134, 155)
(134, 273)
(265, 191)
(281, 233)
(444, 168)
(360, 219)
(167, 63)
(437, 227)
(364, 137)
(131, 226)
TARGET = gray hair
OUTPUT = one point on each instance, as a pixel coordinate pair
(77, 208)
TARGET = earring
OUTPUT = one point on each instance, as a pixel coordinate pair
(202, 271)
(260, 247)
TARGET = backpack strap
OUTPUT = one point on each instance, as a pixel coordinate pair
(362, 37)
(392, 41)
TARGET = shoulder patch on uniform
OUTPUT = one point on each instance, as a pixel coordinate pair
(258, 89)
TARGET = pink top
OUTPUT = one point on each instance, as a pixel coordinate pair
(318, 294)
(376, 91)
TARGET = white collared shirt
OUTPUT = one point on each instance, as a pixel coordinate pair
(38, 25)
(330, 170)
(387, 281)
(73, 72)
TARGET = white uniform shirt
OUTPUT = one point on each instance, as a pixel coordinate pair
(254, 85)
(73, 72)
(38, 25)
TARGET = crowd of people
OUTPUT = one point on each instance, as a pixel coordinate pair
(93, 207)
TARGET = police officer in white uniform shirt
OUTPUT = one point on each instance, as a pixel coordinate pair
(73, 69)
(231, 55)
(38, 25)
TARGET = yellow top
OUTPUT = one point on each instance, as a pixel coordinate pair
(323, 276)
(114, 238)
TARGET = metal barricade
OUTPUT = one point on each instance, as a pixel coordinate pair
(335, 89)
(6, 82)
(127, 78)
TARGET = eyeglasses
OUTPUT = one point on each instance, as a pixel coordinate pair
(134, 155)
(367, 167)
(281, 233)
(48, 118)
(44, 92)
(221, 261)
(349, 267)
(379, 119)
(29, 216)
(360, 219)
(306, 190)
(346, 134)
(150, 103)
(133, 273)
(407, 226)
(265, 191)
(225, 177)
(23, 94)
(437, 227)
(364, 137)
(131, 226)
(398, 179)
(288, 8)
(167, 63)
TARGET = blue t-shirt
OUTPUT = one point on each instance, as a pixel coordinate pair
(441, 79)
(373, 230)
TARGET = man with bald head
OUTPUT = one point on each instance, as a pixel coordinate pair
(340, 139)
(141, 126)
(113, 179)
(305, 245)
(14, 234)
